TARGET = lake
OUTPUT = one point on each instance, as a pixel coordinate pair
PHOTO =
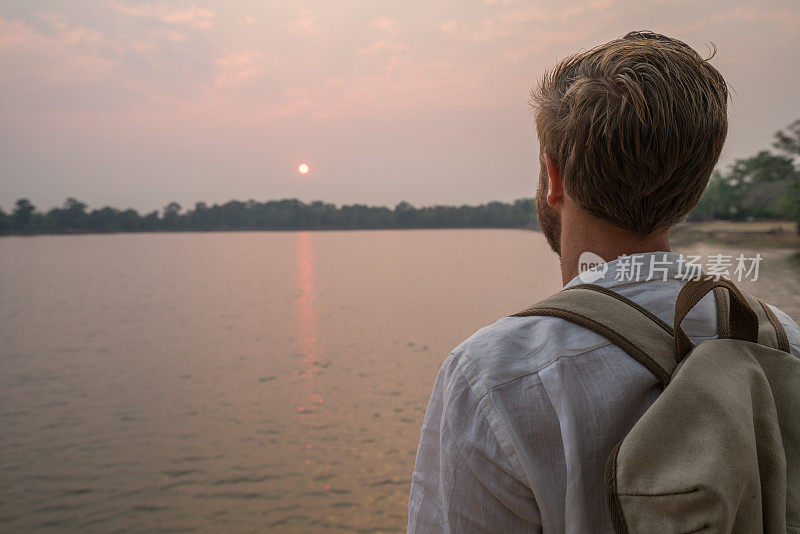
(247, 381)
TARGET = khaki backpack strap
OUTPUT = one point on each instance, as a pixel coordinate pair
(743, 320)
(780, 332)
(604, 290)
(770, 329)
(723, 312)
(645, 337)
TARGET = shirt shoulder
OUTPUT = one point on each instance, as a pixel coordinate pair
(514, 347)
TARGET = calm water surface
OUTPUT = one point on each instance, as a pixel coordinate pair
(244, 382)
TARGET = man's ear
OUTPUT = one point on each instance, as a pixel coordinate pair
(555, 187)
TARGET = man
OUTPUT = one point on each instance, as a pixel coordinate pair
(525, 412)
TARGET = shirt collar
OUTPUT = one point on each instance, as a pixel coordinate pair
(636, 268)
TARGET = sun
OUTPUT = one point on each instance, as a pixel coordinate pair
(303, 168)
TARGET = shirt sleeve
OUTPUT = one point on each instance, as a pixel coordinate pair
(463, 481)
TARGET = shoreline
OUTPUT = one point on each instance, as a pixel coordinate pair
(772, 234)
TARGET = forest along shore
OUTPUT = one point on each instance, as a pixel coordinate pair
(782, 234)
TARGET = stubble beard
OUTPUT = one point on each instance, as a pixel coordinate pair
(549, 221)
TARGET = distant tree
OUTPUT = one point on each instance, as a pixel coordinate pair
(764, 186)
(762, 181)
(405, 215)
(151, 222)
(69, 218)
(73, 215)
(764, 167)
(199, 218)
(719, 201)
(171, 215)
(233, 214)
(22, 214)
(128, 221)
(788, 142)
(102, 220)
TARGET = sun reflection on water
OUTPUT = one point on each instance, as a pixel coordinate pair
(310, 401)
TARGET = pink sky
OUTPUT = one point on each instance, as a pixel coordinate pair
(140, 103)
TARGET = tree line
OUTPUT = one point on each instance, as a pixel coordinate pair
(764, 186)
(292, 214)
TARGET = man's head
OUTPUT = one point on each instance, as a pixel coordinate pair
(633, 129)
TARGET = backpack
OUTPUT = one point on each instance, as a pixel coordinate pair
(719, 449)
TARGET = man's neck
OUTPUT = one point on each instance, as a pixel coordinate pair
(584, 233)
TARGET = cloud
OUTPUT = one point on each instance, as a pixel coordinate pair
(15, 34)
(248, 20)
(451, 26)
(192, 14)
(235, 68)
(170, 35)
(69, 34)
(383, 23)
(589, 7)
(510, 20)
(152, 42)
(785, 19)
(384, 46)
(63, 52)
(144, 46)
(306, 22)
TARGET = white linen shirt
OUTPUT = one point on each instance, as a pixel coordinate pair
(524, 413)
